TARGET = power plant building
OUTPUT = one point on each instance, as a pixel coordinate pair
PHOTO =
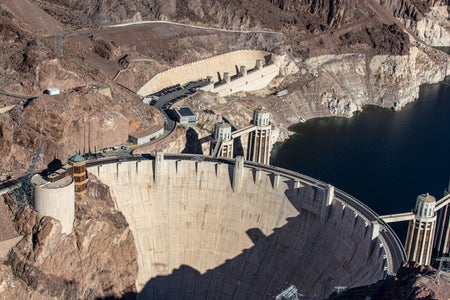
(419, 240)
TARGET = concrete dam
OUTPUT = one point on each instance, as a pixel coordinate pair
(207, 228)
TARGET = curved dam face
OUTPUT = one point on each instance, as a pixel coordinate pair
(215, 230)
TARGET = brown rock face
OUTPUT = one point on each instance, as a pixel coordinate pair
(98, 259)
(63, 124)
(410, 9)
(330, 10)
(382, 39)
(413, 281)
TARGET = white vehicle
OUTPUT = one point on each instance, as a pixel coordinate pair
(281, 93)
(52, 91)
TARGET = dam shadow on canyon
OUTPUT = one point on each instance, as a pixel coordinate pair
(301, 241)
(276, 249)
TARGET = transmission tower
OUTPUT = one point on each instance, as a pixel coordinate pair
(291, 293)
(24, 193)
(339, 289)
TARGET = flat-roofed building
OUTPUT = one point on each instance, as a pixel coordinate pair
(185, 115)
(145, 136)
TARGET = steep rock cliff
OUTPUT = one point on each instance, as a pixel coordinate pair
(338, 85)
(273, 14)
(97, 259)
(427, 19)
(331, 11)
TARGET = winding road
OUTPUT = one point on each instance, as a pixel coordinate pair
(193, 26)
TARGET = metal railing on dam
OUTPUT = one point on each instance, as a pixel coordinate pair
(395, 253)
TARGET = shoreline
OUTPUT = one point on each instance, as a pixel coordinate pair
(445, 81)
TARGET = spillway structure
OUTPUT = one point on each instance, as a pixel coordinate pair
(218, 228)
(231, 72)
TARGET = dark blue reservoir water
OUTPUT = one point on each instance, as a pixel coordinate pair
(382, 157)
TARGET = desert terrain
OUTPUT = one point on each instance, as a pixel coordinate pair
(338, 57)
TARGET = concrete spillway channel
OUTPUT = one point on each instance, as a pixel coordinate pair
(215, 229)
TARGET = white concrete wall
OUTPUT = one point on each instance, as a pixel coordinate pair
(58, 203)
(203, 68)
(193, 217)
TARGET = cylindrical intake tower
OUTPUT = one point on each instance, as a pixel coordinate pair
(419, 240)
(222, 132)
(223, 143)
(259, 139)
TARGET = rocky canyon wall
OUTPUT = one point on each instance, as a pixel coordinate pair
(98, 259)
(427, 19)
(338, 85)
